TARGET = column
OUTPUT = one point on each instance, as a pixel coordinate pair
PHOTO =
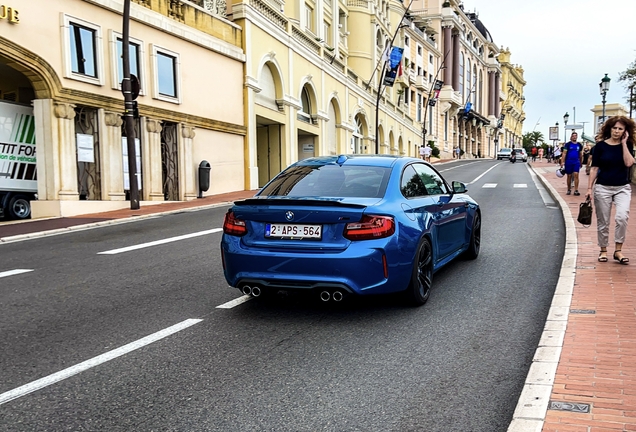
(151, 159)
(456, 62)
(497, 105)
(448, 56)
(111, 157)
(187, 171)
(65, 114)
(491, 93)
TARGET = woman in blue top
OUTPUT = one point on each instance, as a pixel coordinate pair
(610, 183)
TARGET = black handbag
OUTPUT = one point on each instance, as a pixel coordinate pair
(585, 213)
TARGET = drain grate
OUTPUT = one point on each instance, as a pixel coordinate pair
(569, 406)
(583, 311)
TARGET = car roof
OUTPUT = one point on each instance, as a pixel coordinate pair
(360, 160)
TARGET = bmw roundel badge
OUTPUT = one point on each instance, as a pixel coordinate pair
(289, 215)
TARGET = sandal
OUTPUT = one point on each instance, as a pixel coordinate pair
(621, 260)
(602, 256)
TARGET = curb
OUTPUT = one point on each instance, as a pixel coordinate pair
(49, 233)
(532, 406)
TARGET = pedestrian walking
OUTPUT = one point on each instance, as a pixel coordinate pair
(540, 154)
(422, 152)
(556, 155)
(586, 158)
(427, 153)
(534, 152)
(609, 182)
(572, 160)
(458, 152)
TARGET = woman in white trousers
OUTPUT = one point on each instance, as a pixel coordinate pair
(610, 182)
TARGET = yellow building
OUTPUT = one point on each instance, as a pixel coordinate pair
(513, 100)
(63, 59)
(468, 105)
(611, 109)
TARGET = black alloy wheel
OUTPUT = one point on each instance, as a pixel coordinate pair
(421, 283)
(475, 239)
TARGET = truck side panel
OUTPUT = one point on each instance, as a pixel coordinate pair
(18, 172)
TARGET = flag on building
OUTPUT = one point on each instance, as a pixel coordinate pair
(395, 60)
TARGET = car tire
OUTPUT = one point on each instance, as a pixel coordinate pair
(19, 207)
(475, 239)
(419, 288)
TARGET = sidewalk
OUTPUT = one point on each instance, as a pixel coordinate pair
(12, 231)
(587, 355)
(583, 377)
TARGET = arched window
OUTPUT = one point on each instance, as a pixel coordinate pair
(475, 85)
(356, 140)
(332, 135)
(469, 83)
(480, 100)
(305, 113)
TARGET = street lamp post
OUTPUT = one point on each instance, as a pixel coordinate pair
(566, 117)
(604, 88)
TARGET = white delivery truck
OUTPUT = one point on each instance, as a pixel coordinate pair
(18, 173)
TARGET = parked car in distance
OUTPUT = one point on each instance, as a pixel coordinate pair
(349, 225)
(504, 153)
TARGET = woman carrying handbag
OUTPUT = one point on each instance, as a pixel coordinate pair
(609, 182)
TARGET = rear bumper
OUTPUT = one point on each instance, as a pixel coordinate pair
(357, 270)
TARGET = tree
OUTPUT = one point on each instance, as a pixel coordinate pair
(532, 139)
(629, 78)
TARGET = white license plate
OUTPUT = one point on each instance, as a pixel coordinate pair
(293, 231)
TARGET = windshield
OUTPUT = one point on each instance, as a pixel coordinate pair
(329, 181)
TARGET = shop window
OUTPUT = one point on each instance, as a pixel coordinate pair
(166, 75)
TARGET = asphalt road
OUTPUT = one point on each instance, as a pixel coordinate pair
(456, 364)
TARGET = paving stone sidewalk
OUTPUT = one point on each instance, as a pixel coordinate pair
(594, 388)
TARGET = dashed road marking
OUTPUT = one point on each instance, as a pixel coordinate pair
(95, 361)
(160, 242)
(235, 302)
(489, 185)
(14, 272)
(520, 185)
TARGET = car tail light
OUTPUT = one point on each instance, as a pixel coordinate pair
(233, 226)
(370, 227)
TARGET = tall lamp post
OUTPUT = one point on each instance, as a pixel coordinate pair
(604, 88)
(566, 117)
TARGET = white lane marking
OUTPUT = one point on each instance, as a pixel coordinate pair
(95, 361)
(235, 302)
(489, 185)
(545, 195)
(159, 242)
(519, 185)
(14, 272)
(458, 166)
(486, 172)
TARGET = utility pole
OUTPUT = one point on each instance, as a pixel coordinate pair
(129, 109)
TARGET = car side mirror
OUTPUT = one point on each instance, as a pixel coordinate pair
(459, 187)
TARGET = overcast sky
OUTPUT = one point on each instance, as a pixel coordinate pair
(565, 47)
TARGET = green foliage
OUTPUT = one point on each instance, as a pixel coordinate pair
(629, 78)
(434, 149)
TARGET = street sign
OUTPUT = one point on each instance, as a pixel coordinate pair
(554, 132)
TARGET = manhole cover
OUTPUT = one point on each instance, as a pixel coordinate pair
(569, 406)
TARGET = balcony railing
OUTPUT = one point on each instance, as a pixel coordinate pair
(270, 13)
(307, 41)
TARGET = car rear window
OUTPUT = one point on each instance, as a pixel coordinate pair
(329, 181)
